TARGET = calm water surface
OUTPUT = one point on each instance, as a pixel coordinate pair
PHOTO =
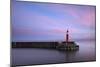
(32, 56)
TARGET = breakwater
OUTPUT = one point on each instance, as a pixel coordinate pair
(34, 44)
(68, 46)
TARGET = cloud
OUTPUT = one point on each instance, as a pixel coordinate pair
(51, 21)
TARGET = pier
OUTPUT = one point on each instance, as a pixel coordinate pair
(64, 45)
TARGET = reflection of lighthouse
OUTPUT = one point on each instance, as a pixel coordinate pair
(67, 36)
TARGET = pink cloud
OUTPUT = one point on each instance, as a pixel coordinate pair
(89, 19)
(86, 18)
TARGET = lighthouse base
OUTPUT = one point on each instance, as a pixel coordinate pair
(69, 46)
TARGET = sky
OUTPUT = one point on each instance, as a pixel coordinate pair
(34, 21)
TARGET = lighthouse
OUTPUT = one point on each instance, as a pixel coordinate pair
(67, 45)
(67, 36)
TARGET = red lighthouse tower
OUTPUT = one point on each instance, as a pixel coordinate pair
(67, 36)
